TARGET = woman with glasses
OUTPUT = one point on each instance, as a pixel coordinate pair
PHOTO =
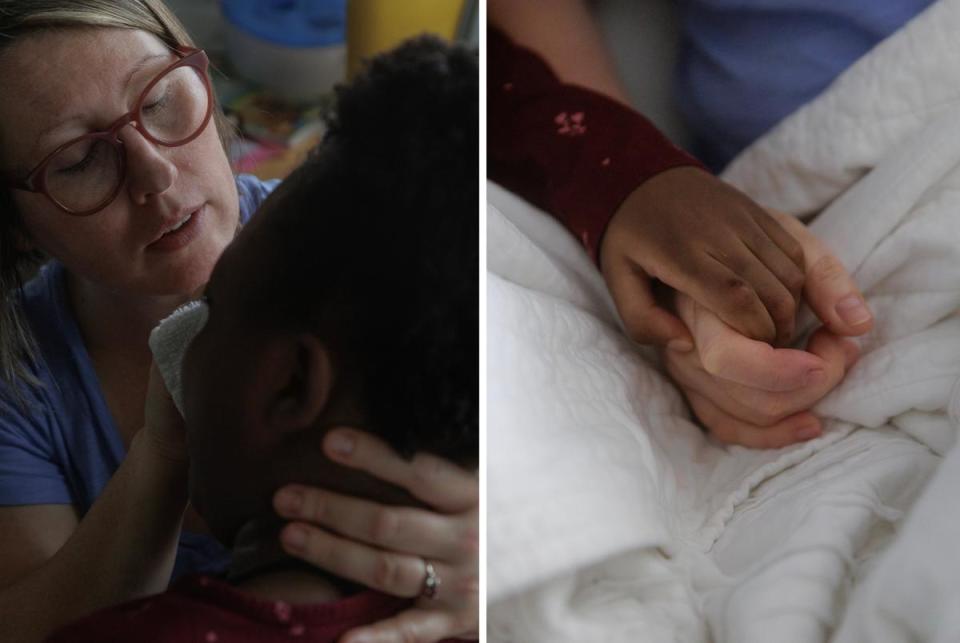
(113, 175)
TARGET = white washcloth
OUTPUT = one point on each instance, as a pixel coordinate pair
(169, 342)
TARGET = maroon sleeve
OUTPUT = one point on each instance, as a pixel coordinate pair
(568, 150)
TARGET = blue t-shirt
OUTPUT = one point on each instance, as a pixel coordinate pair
(63, 447)
(746, 64)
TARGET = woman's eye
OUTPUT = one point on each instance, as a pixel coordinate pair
(81, 165)
(157, 104)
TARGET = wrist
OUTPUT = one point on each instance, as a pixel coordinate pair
(165, 460)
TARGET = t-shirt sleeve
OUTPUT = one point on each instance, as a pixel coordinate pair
(253, 191)
(30, 472)
(568, 150)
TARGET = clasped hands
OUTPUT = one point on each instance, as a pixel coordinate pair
(738, 274)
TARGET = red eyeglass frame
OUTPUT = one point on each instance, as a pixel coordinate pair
(36, 180)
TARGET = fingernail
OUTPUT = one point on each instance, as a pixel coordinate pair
(808, 432)
(341, 444)
(813, 377)
(289, 502)
(295, 538)
(680, 345)
(853, 311)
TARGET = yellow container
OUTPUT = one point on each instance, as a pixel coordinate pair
(377, 25)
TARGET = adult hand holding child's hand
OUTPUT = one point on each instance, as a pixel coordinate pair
(747, 392)
(708, 240)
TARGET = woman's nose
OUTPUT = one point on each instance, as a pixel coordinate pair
(149, 172)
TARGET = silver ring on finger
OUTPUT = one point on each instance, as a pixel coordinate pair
(431, 581)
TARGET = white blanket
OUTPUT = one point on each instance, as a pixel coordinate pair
(594, 468)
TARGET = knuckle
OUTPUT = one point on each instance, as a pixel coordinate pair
(828, 268)
(386, 525)
(426, 470)
(713, 357)
(387, 572)
(794, 280)
(318, 548)
(782, 308)
(795, 252)
(313, 507)
(739, 293)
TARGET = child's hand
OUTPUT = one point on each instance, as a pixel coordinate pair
(706, 239)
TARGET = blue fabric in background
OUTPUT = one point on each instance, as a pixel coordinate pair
(60, 445)
(746, 64)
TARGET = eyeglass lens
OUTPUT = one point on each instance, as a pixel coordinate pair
(82, 175)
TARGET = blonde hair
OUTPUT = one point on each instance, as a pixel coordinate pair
(18, 19)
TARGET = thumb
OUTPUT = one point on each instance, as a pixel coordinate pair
(835, 298)
(829, 288)
(644, 321)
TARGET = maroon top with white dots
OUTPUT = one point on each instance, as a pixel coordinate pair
(568, 150)
(201, 609)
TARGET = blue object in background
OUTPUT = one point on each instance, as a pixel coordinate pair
(290, 23)
(746, 64)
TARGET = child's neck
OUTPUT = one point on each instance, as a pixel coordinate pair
(261, 567)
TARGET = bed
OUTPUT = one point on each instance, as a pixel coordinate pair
(612, 517)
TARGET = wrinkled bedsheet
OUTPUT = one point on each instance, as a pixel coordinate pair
(610, 515)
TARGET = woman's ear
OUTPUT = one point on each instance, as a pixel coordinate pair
(302, 380)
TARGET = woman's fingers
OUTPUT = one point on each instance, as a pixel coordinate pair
(411, 626)
(765, 407)
(438, 482)
(372, 541)
(396, 574)
(400, 529)
(727, 354)
(752, 406)
(829, 288)
(732, 430)
(756, 406)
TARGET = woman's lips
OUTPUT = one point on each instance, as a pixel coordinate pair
(182, 236)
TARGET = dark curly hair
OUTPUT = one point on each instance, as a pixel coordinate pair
(380, 246)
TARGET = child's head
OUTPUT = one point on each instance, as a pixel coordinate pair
(350, 299)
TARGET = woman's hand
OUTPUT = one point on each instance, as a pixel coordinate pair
(163, 425)
(704, 238)
(750, 393)
(387, 548)
(746, 392)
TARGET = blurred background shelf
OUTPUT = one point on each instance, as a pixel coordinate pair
(277, 132)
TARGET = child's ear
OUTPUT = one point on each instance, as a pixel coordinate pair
(301, 382)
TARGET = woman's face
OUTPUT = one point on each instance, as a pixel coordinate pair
(62, 84)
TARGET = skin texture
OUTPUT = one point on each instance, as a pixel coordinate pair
(747, 392)
(683, 227)
(260, 401)
(737, 273)
(119, 290)
(709, 241)
(107, 251)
